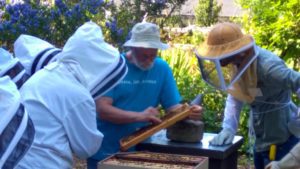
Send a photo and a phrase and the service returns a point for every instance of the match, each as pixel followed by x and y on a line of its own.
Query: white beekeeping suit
pixel 60 99
pixel 16 128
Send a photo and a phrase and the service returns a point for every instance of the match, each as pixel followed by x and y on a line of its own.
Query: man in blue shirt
pixel 133 102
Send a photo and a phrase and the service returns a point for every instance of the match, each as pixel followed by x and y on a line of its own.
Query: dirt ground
pixel 243 163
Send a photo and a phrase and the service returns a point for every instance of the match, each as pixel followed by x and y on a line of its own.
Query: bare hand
pixel 196 112
pixel 150 115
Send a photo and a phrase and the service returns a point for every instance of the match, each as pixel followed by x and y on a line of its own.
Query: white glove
pixel 224 137
pixel 289 161
pixel 272 165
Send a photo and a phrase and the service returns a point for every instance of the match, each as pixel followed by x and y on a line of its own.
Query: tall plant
pixel 275 25
pixel 207 12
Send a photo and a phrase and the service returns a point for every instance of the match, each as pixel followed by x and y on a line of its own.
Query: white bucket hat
pixel 146 35
pixel 34 53
pixel 10 66
pixel 102 66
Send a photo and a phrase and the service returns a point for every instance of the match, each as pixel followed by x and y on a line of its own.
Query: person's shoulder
pixel 266 57
pixel 269 62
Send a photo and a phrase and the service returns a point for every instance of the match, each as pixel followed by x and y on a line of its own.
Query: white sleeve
pixel 296 154
pixel 81 128
pixel 232 113
pixel 292 159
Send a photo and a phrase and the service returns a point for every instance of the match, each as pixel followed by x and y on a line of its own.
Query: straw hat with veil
pixel 227 61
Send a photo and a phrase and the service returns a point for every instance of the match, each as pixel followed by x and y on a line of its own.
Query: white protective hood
pixel 102 66
pixel 34 53
pixel 10 66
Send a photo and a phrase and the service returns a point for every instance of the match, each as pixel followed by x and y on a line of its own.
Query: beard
pixel 140 65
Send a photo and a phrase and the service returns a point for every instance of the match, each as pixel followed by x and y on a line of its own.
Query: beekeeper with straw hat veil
pixel 230 60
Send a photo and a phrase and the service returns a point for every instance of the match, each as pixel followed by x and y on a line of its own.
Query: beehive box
pixel 150 160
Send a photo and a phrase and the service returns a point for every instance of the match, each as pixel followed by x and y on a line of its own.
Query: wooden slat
pixel 171 118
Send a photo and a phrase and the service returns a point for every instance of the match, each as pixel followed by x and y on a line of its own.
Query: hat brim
pixel 216 51
pixel 155 45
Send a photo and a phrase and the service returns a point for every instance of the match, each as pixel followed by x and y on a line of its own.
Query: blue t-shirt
pixel 136 92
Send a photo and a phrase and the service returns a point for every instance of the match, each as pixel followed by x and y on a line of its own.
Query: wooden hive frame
pixel 171 118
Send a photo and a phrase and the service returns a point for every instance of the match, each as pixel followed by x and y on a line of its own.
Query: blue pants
pixel 92 163
pixel 261 159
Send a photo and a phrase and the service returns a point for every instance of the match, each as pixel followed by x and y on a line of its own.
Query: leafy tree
pixel 275 25
pixel 207 12
pixel 153 8
pixel 126 13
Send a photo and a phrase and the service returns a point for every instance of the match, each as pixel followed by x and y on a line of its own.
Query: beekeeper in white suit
pixel 60 99
pixel 231 61
pixel 16 128
pixel 34 53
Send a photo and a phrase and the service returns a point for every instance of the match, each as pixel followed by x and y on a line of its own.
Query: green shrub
pixel 207 12
pixel 186 72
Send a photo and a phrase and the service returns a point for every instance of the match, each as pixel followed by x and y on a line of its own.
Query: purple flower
pixel 120 32
pixel 9 9
pixel 107 24
pixel 68 14
pixel 22 28
pixel 108 4
pixel 160 1
pixel 61 5
pixel 93 6
pixel 1 27
pixel 2 3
